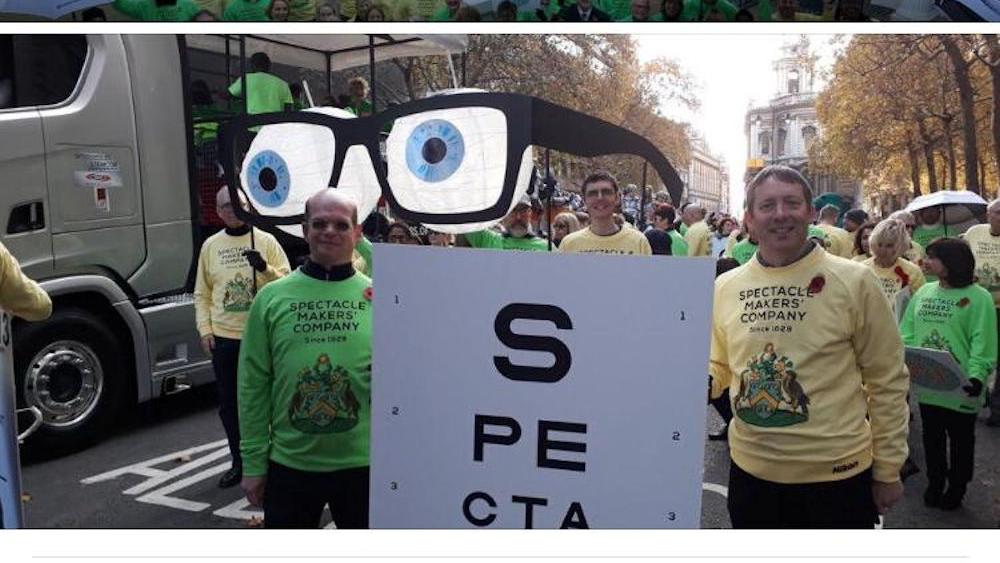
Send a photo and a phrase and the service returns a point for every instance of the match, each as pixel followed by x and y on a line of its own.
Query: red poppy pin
pixel 816 285
pixel 963 302
pixel 902 276
pixel 368 293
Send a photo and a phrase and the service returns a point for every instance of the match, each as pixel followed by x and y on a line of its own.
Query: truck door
pixel 91 164
pixel 24 206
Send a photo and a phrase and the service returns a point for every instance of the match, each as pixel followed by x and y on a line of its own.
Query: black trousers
pixel 295 499
pixel 756 503
pixel 225 358
pixel 723 406
pixel 948 436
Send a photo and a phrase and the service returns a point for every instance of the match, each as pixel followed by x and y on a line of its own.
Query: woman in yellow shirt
pixel 898 278
pixel 862 250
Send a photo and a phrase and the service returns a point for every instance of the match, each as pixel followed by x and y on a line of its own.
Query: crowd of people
pixel 473 11
pixel 807 355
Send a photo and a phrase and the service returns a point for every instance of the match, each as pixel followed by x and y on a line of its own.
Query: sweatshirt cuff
pixel 886 473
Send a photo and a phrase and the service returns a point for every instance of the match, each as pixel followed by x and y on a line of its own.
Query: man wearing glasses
pixel 604 235
pixel 984 240
pixel 305 380
pixel 232 265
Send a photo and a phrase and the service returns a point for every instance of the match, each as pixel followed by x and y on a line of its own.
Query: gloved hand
pixel 973 388
pixel 255 260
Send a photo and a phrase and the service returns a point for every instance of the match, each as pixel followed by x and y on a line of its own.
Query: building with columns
pixel 706 179
pixel 782 131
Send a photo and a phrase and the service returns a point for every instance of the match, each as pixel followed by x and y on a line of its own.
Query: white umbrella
pixel 51 9
pixel 945 198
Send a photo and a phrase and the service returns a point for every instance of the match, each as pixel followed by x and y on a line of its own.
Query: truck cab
pixel 107 186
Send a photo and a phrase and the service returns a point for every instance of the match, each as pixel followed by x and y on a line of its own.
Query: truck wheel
pixel 71 367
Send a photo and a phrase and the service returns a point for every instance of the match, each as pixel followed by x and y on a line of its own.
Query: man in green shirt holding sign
pixel 305 380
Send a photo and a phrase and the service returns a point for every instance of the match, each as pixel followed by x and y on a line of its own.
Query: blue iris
pixel 434 150
pixel 269 180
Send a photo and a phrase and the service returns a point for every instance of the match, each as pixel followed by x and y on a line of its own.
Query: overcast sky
pixel 732 71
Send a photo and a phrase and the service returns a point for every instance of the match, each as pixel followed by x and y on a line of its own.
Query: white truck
pixel 101 202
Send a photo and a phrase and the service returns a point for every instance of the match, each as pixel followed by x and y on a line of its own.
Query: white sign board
pixel 10 472
pixel 536 390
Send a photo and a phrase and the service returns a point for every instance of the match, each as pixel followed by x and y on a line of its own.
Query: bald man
pixel 234 263
pixel 305 380
pixel 697 235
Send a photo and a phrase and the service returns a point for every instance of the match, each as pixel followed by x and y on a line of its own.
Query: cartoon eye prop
pixel 285 164
pixel 521 188
pixel 434 150
pixel 449 160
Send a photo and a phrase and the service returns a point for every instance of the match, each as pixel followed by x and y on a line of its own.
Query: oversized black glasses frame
pixel 530 122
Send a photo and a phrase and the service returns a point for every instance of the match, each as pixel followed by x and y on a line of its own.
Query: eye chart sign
pixel 536 390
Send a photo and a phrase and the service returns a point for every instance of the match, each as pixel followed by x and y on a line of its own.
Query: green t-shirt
pixel 695 10
pixel 815 232
pixel 743 251
pixel 246 11
pixel 617 10
pixel 266 92
pixel 364 248
pixel 963 322
pixel 443 14
pixel 531 16
pixel 148 11
pixel 362 109
pixel 302 10
pixel 491 239
pixel 924 235
pixel 305 375
pixel 682 228
pixel 652 18
pixel 206 126
pixel 678 246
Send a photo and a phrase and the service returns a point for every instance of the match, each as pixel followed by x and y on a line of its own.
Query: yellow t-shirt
pixel 814 363
pixel 625 241
pixel 841 242
pixel 698 239
pixel 916 253
pixel 20 295
pixel 223 290
pixel 892 280
pixel 986 249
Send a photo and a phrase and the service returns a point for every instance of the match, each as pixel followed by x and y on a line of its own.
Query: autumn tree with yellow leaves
pixel 916 110
pixel 599 75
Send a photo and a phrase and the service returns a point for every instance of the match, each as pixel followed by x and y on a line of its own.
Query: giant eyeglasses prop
pixel 456 163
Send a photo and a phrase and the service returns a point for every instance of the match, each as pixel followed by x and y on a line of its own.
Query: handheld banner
pixel 938 372
pixel 529 390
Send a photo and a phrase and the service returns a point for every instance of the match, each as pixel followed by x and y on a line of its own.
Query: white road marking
pixel 146 469
pixel 715 488
pixel 238 511
pixel 176 472
pixel 159 496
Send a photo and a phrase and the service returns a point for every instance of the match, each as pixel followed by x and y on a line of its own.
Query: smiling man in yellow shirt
pixel 604 235
pixel 814 362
